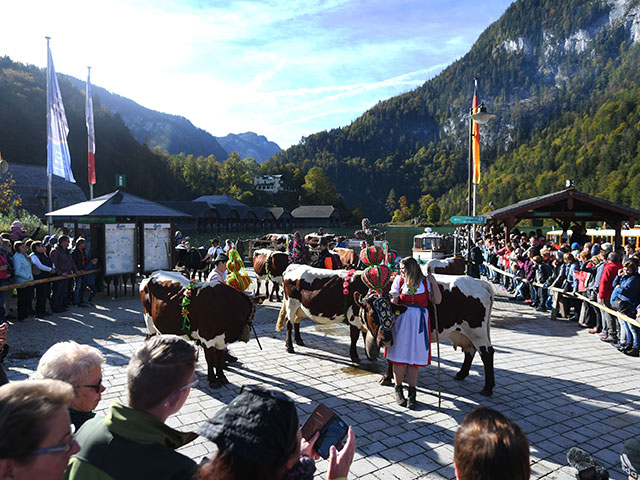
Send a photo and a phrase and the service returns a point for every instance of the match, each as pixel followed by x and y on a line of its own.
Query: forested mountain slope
pixel 562 77
pixel 23 136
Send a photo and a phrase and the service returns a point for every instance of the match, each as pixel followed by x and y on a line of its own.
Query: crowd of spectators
pixel 23 260
pixel 544 274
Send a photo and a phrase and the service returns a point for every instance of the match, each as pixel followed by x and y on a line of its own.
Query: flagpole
pixel 49 188
pixel 88 93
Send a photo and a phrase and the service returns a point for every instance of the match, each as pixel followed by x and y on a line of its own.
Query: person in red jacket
pixel 605 289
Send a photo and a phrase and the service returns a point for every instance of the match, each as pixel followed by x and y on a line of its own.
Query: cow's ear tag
pixel 396 312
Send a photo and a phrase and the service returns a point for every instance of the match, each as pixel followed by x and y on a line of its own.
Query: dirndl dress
pixel 411 332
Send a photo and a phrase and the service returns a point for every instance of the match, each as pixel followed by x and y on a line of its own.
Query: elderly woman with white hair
pixel 80 366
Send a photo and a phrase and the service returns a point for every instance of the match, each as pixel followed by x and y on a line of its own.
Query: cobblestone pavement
pixel 560 384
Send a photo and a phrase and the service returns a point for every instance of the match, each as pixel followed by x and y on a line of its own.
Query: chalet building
pixel 31 185
pixel 316 216
pixel 268 183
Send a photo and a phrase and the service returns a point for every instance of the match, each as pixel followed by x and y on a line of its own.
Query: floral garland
pixel 297 249
pixel 347 281
pixel 186 301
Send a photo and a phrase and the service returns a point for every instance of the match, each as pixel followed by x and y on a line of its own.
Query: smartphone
pixel 589 473
pixel 333 434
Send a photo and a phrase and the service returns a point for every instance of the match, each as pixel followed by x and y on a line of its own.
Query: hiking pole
pixel 256 335
pixel 435 317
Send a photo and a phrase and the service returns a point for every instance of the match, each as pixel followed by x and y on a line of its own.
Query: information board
pixel 157 247
pixel 120 248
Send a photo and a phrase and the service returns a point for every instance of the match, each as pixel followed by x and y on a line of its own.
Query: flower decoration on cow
pixel 237 277
pixel 377 275
pixel 368 234
pixel 186 301
pixel 297 249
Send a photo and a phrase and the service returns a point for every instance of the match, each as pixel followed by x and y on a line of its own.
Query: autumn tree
pixel 433 213
pixel 318 189
pixel 391 204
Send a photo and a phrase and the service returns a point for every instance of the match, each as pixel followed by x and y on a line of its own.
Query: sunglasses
pixel 189 385
pixel 96 387
pixel 64 448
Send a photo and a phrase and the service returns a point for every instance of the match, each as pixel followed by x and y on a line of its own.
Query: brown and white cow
pixel 318 294
pixel 464 317
pixel 219 315
pixel 270 265
pixel 448 266
pixel 348 257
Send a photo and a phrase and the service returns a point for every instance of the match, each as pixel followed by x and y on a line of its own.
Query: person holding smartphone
pixel 411 332
pixel 258 436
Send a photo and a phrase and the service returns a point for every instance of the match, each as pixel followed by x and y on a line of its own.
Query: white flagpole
pixel 49 192
pixel 90 132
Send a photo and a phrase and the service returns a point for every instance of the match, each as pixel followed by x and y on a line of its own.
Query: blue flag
pixel 58 157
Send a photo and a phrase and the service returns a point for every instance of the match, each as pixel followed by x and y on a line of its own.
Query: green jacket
pixel 129 444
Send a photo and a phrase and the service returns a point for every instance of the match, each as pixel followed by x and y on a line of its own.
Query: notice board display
pixel 157 247
pixel 120 248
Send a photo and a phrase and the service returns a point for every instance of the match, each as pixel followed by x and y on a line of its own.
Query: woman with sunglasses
pixel 37 438
pixel 411 332
pixel 81 366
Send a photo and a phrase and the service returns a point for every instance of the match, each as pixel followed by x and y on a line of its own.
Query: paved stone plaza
pixel 560 384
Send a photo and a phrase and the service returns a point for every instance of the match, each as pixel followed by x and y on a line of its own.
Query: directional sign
pixel 477 220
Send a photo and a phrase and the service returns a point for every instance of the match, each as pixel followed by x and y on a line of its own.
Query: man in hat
pixel 219 272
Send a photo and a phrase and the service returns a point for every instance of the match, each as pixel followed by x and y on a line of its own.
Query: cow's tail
pixel 282 317
pixel 488 322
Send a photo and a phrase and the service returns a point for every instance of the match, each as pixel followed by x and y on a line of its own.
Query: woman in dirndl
pixel 411 347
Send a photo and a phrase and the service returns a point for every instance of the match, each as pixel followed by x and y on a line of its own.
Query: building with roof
pixel 316 216
pixel 566 208
pixel 268 183
pixel 31 185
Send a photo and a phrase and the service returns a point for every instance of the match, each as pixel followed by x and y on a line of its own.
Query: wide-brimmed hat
pixel 221 258
pixel 259 425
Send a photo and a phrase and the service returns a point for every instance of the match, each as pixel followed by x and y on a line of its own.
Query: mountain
pixel 23 136
pixel 171 133
pixel 249 144
pixel 561 76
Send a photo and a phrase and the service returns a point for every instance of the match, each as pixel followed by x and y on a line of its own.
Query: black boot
pixel 400 400
pixel 411 403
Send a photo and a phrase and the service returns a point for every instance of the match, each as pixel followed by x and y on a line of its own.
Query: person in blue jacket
pixel 22 273
pixel 627 298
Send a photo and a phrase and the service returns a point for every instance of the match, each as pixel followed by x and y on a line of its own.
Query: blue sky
pixel 283 69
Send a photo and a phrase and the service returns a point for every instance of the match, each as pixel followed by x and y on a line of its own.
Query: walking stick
pixel 256 335
pixel 435 317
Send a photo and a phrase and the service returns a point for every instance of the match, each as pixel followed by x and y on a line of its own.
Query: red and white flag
pixel 90 132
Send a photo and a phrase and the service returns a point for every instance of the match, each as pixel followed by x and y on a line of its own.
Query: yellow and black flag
pixel 475 140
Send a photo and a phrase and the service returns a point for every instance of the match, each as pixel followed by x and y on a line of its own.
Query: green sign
pixel 477 220
pixel 121 180
pixel 96 219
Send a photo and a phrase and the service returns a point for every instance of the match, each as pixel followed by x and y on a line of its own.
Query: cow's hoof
pixel 290 349
pixel 355 359
pixel 215 384
pixel 223 380
pixel 385 381
pixel 460 376
pixel 299 342
pixel 487 392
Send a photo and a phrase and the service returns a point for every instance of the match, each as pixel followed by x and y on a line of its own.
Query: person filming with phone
pixel 258 436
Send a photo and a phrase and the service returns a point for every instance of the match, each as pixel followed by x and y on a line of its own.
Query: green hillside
pixel 560 75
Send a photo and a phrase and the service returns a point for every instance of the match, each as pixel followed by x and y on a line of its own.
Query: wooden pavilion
pixel 567 208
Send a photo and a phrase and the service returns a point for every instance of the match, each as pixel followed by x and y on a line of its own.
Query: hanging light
pixel 482 116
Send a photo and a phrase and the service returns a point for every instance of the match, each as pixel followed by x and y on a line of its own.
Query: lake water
pixel 400 237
